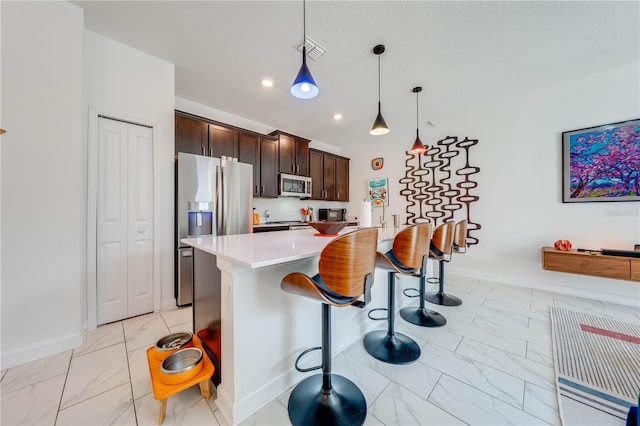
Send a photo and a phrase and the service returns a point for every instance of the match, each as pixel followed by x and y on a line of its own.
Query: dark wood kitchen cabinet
pixel 223 141
pixel 191 136
pixel 249 152
pixel 342 179
pixel 268 168
pixel 329 176
pixel 293 153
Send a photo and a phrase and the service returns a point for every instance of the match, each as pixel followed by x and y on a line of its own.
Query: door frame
pixel 92 208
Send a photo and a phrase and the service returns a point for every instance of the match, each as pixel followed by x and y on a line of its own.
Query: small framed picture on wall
pixel 378 190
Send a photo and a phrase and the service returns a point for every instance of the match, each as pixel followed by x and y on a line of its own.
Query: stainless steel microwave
pixel 294 186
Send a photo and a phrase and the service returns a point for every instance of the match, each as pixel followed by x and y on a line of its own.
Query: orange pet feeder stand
pixel 162 391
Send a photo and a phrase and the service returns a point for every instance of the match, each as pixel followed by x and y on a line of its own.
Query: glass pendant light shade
pixel 418 147
pixel 379 125
pixel 304 86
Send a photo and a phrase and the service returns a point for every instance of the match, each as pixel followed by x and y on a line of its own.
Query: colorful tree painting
pixel 605 163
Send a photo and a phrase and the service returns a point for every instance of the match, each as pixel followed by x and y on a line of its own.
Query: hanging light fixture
pixel 379 126
pixel 418 147
pixel 304 86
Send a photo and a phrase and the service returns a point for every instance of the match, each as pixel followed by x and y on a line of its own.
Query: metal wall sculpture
pixel 438 183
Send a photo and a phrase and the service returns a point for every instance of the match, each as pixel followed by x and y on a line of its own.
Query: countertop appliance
pixel 214 197
pixel 332 215
pixel 294 186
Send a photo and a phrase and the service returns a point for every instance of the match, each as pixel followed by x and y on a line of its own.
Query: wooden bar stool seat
pixel 406 257
pixel 346 271
pixel 452 238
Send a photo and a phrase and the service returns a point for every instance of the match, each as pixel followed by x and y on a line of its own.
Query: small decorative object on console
pixel 564 245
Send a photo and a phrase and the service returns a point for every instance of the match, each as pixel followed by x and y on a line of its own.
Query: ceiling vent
pixel 314 50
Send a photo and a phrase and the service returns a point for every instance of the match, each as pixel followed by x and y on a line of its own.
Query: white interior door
pixel 124 252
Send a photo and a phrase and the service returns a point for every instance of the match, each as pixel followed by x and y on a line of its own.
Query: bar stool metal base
pixel 443 299
pixel 394 349
pixel 423 317
pixel 344 405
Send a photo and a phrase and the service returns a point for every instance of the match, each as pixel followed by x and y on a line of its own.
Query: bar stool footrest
pixel 344 405
pixel 423 317
pixel 396 348
pixel 378 309
pixel 305 370
pixel 411 290
pixel 433 280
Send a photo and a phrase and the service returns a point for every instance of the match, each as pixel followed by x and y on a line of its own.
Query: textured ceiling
pixel 463 54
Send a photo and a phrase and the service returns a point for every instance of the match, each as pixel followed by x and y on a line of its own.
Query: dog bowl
pixel 180 366
pixel 171 343
pixel 328 227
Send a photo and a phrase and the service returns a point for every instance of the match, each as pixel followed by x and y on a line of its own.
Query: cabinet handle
pixel 262 192
pixel 210 152
pixel 293 168
pixel 203 150
pixel 338 195
pixel 256 189
pixel 297 168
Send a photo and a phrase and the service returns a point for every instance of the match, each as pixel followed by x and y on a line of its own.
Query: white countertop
pixel 272 248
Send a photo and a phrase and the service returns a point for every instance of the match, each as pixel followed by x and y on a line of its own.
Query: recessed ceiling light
pixel 337 116
pixel 266 82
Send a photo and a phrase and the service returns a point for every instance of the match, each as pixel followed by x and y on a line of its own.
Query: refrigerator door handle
pixel 220 200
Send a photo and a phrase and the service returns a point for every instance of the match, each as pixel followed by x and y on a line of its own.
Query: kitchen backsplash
pixel 288 208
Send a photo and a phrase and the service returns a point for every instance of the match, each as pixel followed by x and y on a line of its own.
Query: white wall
pixel 133 85
pixel 43 202
pixel 520 207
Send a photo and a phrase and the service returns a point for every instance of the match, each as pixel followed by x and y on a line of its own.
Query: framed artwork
pixel 601 163
pixel 378 190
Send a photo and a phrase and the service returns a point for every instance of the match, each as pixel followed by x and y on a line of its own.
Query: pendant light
pixel 304 86
pixel 379 126
pixel 418 147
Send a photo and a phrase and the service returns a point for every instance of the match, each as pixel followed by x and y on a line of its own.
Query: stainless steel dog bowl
pixel 173 341
pixel 181 365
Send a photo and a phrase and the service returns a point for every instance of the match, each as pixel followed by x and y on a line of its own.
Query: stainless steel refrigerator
pixel 214 197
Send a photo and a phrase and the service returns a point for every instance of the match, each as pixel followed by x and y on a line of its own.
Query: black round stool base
pixel 442 299
pixel 396 349
pixel 345 404
pixel 423 317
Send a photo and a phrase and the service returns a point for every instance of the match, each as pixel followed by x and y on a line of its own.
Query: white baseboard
pixel 34 352
pixel 545 286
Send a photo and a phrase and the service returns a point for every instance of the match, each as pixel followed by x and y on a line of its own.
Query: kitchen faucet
pixel 383 220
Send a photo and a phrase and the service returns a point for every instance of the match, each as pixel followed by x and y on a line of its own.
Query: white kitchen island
pixel 264 329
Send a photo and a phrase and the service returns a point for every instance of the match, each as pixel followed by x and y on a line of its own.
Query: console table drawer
pixel 588 264
pixel 635 269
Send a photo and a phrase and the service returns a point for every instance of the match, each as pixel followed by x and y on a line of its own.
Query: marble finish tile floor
pixel 491 364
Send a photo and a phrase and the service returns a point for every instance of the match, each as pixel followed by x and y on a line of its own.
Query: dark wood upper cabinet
pixel 293 154
pixel 329 176
pixel 342 179
pixel 249 152
pixel 191 136
pixel 268 168
pixel 223 141
pixel 316 171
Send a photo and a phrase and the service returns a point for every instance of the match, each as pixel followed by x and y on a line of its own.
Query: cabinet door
pixel 191 136
pixel 302 157
pixel 316 171
pixel 249 152
pixel 287 154
pixel 268 168
pixel 329 177
pixel 222 141
pixel 342 179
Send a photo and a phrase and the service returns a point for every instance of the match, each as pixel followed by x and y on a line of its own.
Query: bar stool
pixel 346 272
pixel 451 238
pixel 406 258
pixel 422 316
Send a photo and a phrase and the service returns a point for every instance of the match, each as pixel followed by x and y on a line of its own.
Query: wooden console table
pixel 585 263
